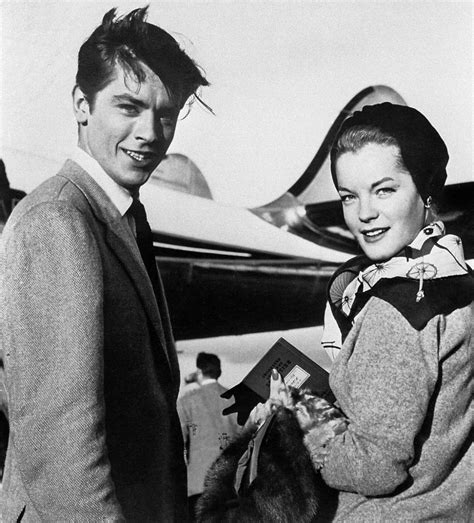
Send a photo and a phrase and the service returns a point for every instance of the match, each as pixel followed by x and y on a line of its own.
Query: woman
pixel 399 327
pixel 404 314
pixel 401 320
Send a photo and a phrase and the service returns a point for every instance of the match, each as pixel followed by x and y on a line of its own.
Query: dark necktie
pixel 144 239
pixel 145 245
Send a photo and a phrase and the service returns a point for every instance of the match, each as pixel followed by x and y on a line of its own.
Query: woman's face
pixel 381 204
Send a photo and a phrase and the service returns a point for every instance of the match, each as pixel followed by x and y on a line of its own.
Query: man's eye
pixel 128 108
pixel 168 120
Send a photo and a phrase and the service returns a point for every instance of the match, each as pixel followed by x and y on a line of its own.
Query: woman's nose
pixel 367 210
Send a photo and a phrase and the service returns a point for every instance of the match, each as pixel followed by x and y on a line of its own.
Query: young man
pixel 91 369
pixel 206 431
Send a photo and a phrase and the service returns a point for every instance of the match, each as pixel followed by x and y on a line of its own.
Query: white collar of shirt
pixel 120 197
pixel 207 381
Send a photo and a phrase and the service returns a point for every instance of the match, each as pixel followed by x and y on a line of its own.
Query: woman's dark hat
pixel 423 151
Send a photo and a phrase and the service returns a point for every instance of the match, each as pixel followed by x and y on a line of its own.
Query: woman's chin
pixel 377 255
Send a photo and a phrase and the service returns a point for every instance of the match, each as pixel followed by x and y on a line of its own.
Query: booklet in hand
pixel 296 369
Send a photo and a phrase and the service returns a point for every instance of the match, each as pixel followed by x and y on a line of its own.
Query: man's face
pixel 129 127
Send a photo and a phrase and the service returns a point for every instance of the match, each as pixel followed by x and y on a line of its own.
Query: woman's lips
pixel 374 235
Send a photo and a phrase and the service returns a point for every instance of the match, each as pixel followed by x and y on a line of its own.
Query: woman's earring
pixel 428 202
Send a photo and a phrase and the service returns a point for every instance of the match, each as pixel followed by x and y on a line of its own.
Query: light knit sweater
pixel 406 455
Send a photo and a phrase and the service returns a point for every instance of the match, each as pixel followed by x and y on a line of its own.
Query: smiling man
pixel 91 368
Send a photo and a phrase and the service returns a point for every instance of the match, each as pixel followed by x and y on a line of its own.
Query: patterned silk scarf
pixel 431 256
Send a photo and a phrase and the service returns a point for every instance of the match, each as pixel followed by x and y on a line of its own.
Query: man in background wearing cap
pixel 91 369
pixel 206 431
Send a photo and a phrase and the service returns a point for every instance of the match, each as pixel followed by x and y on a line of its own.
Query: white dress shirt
pixel 120 197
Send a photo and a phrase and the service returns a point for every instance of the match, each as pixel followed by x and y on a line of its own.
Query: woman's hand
pixel 279 395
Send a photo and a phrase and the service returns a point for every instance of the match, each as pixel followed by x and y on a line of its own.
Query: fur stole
pixel 287 487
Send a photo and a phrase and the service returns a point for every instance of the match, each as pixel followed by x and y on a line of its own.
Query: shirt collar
pixel 119 196
pixel 207 381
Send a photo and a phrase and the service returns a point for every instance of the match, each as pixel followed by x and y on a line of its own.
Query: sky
pixel 280 72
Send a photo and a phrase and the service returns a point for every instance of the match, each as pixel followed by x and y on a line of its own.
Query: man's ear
pixel 80 105
pixel 199 375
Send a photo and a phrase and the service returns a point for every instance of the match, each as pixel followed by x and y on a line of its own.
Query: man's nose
pixel 367 209
pixel 148 127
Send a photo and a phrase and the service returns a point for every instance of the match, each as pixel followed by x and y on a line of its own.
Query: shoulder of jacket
pixel 56 190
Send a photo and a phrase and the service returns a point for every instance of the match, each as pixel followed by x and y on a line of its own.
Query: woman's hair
pixel 127 41
pixel 422 151
pixel 358 136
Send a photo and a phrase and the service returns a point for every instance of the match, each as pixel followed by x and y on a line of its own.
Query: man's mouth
pixel 140 156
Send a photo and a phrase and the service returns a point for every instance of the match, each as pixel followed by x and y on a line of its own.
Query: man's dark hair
pixel 209 364
pixel 126 41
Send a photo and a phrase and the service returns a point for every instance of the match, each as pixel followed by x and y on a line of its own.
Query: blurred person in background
pixel 206 430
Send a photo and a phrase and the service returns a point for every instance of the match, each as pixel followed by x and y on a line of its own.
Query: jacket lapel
pixel 120 239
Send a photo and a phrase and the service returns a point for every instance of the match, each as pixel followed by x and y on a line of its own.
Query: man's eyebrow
pixel 127 98
pixel 373 186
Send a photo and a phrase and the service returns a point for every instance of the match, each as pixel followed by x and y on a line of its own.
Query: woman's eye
pixel 385 191
pixel 346 198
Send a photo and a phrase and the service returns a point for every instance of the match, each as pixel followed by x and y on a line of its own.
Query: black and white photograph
pixel 236 261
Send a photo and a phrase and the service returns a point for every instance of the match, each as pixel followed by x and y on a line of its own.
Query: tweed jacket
pixel 91 369
pixel 406 455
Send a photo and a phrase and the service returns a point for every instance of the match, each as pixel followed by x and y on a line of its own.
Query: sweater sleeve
pixel 384 380
pixel 54 364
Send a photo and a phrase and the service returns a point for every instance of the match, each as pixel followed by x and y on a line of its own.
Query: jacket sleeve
pixel 388 380
pixel 54 365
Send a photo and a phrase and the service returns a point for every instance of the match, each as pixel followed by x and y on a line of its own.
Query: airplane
pixel 256 274
pixel 233 271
